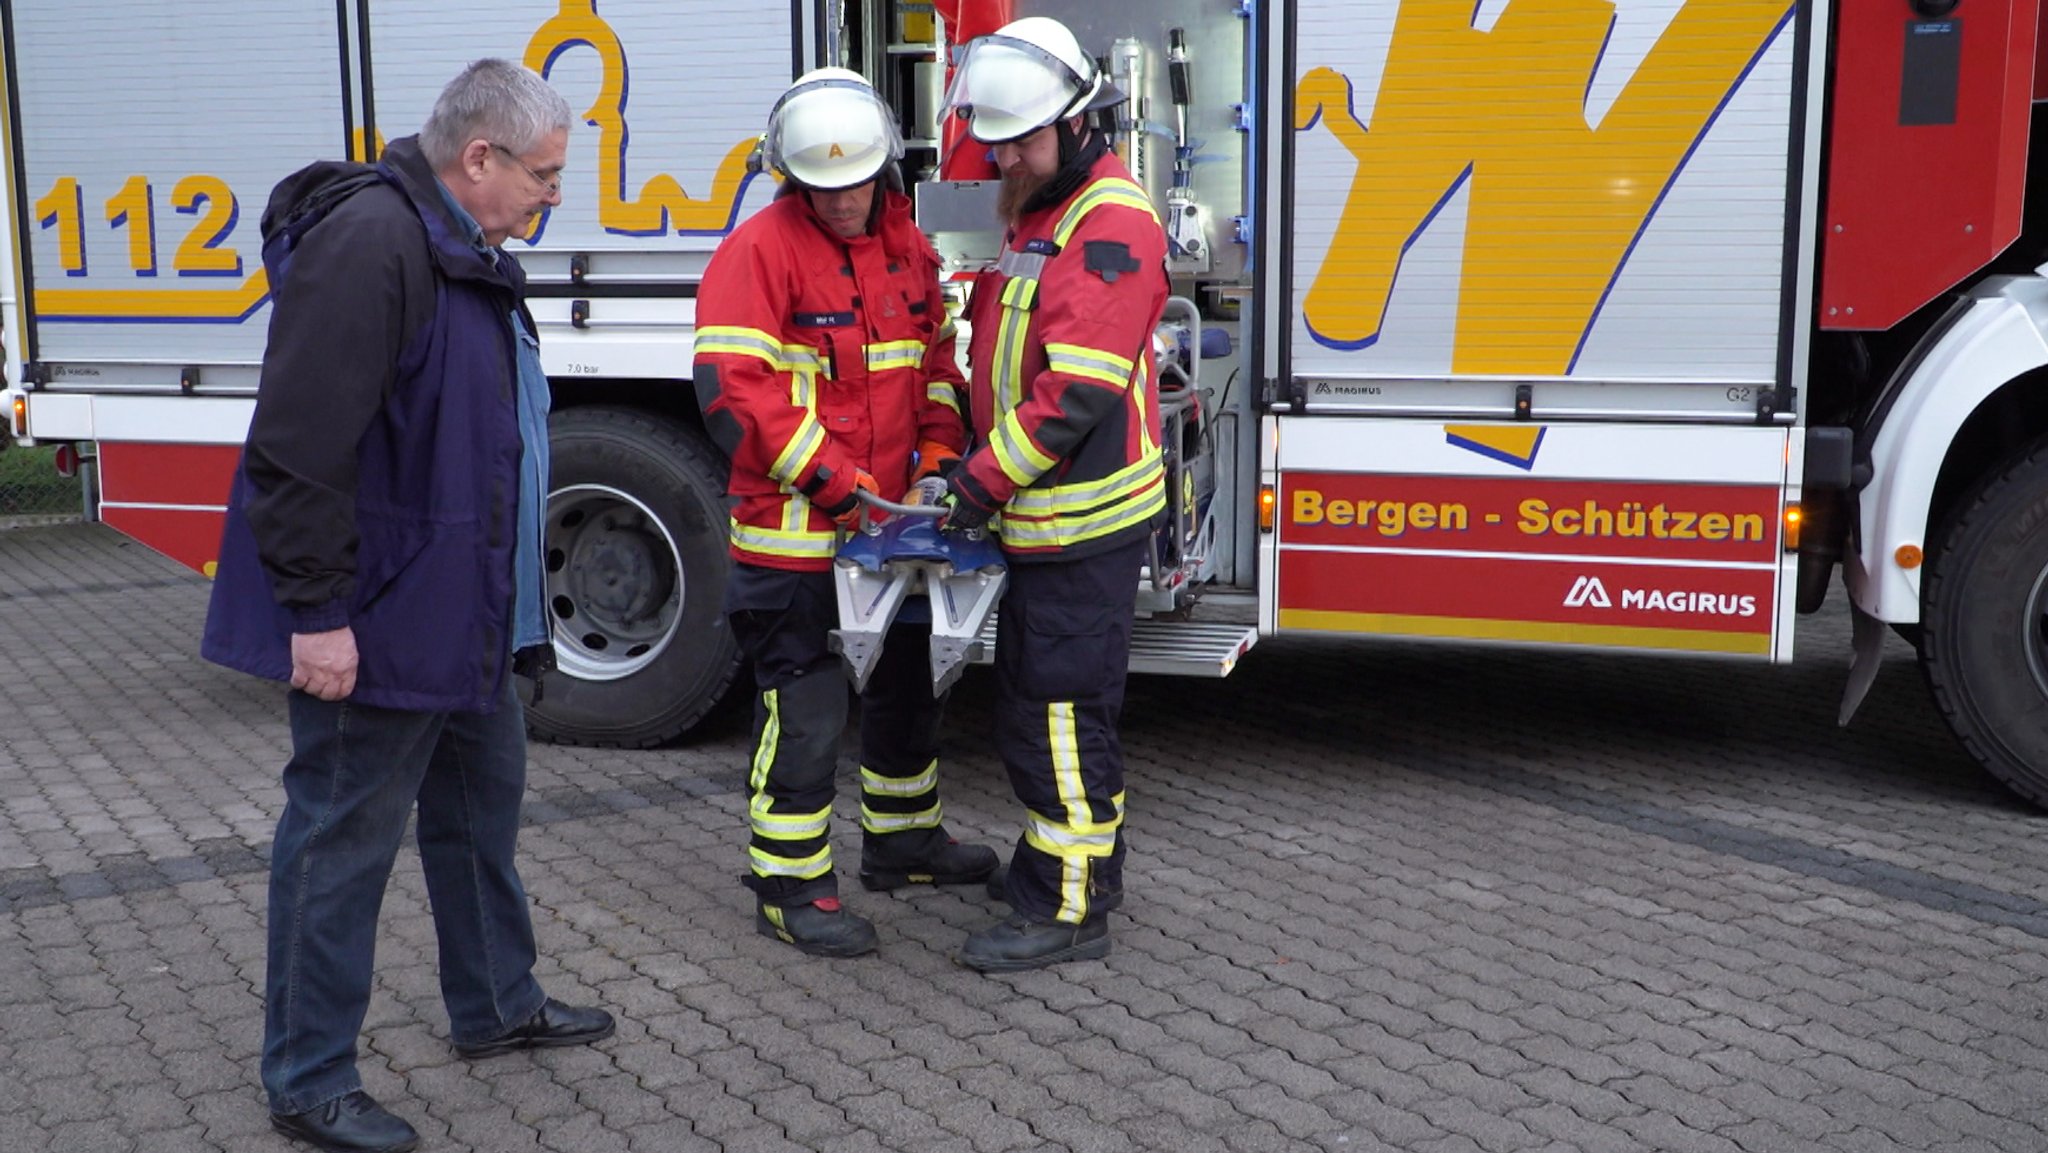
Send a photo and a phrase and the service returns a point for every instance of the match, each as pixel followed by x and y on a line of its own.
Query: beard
pixel 1018 187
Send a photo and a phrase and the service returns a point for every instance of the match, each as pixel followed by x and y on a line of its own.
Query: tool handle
pixel 875 511
pixel 1177 67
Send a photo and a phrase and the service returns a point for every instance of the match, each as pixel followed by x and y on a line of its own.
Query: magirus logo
pixel 1589 593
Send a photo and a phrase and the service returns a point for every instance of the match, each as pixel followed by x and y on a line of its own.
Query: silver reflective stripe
pixel 1021 265
pixel 874 822
pixel 1060 840
pixel 924 782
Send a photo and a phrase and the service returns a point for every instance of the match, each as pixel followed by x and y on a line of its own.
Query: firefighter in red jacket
pixel 1067 467
pixel 825 364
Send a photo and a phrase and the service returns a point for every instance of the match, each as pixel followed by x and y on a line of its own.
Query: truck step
pixel 1166 647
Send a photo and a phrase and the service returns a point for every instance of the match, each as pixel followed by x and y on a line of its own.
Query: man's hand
pixel 847 512
pixel 930 490
pixel 964 512
pixel 934 460
pixel 324 664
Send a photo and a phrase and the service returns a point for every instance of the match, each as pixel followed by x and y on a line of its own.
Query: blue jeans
pixel 354 775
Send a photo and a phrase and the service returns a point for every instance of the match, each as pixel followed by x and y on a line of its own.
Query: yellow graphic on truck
pixel 205 250
pixel 662 205
pixel 1554 203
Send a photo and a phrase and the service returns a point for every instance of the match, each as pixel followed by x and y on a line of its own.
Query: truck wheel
pixel 1984 639
pixel 634 577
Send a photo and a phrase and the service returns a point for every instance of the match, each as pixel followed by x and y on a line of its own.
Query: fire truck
pixel 1614 325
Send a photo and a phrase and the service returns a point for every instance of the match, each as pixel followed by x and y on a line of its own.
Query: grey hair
pixel 496 100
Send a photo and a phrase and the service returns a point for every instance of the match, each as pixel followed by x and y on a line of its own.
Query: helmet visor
pixel 1008 88
pixel 830 134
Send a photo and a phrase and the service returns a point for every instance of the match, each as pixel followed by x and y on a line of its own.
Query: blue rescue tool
pixel 899 552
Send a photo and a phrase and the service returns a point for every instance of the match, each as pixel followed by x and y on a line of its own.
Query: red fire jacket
pixel 1064 402
pixel 817 357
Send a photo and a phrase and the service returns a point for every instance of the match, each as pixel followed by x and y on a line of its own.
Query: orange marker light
pixel 20 415
pixel 1794 517
pixel 1908 556
pixel 1268 500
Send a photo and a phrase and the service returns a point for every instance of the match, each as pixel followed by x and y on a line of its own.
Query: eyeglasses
pixel 553 186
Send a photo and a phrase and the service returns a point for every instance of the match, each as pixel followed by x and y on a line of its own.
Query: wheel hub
pixel 614 582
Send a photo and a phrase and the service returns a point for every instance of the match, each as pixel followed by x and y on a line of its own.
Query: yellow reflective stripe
pixel 1066 761
pixel 736 341
pixel 804 445
pixel 1080 837
pixel 1109 190
pixel 1147 418
pixel 796 516
pixel 874 822
pixel 1019 292
pixel 803 390
pixel 801 356
pixel 1021 532
pixel 767 864
pixel 1073 891
pixel 894 354
pixel 782 542
pixel 942 392
pixel 786 826
pixel 762 346
pixel 1089 363
pixel 1021 460
pixel 1073 845
pixel 1084 496
pixel 881 786
pixel 771 736
pixel 1009 358
pixel 1091 840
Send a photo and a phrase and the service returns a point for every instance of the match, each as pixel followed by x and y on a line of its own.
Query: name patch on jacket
pixel 1042 247
pixel 822 319
pixel 1108 259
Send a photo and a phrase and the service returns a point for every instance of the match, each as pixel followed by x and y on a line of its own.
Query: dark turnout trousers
pixel 1062 650
pixel 781 620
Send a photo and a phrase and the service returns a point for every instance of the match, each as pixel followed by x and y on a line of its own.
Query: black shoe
pixel 821 928
pixel 552 1026
pixel 953 864
pixel 351 1124
pixel 1021 943
pixel 996 882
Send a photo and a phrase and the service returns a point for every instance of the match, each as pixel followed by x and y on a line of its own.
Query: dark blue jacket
pixel 380 479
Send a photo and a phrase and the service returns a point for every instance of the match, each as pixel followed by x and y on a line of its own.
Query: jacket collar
pixel 448 238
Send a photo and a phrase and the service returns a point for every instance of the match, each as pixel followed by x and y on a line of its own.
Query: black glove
pixel 965 510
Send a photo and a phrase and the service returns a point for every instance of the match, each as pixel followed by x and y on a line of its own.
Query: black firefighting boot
pixel 1023 943
pixel 996 882
pixel 820 928
pixel 939 861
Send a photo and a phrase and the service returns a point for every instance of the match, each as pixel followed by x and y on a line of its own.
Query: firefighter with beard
pixel 1066 468
pixel 824 365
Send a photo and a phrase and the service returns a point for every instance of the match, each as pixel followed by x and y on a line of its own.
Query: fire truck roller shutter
pixel 635 573
pixel 1984 632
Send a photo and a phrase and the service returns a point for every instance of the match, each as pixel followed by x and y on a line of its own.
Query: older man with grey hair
pixel 382 556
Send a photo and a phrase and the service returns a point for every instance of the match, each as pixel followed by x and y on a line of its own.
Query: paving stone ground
pixel 1381 897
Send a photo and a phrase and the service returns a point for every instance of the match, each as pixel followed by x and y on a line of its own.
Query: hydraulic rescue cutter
pixel 900 552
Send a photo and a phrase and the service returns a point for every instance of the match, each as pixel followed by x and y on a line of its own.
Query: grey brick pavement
pixel 1382 898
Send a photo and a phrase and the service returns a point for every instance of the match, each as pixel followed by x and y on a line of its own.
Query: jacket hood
pixel 301 187
pixel 404 167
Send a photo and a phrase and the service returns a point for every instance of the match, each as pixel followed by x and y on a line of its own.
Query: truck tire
pixel 634 578
pixel 1984 637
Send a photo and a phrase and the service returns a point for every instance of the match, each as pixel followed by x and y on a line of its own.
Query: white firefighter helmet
pixel 830 131
pixel 1026 75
